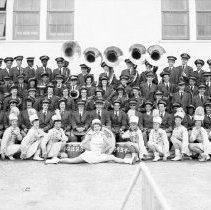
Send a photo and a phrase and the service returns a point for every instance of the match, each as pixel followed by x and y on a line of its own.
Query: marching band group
pixel 44 110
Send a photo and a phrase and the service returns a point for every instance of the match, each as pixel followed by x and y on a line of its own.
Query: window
pixel 26 19
pixel 60 19
pixel 203 19
pixel 2 18
pixel 175 19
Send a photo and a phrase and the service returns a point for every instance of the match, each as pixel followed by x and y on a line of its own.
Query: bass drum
pixel 109 135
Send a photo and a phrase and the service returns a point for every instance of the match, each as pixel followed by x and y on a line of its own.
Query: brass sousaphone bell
pixel 92 56
pixel 155 55
pixel 71 50
pixel 137 53
pixel 112 56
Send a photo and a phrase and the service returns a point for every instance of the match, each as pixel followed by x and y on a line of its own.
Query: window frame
pixel 175 11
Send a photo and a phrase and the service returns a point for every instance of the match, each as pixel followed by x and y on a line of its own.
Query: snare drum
pixel 74 149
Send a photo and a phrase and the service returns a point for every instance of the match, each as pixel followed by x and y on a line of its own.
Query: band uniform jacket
pixel 188 121
pixel 108 92
pixel 133 76
pixel 91 91
pixel 137 114
pixel 167 89
pixel 112 80
pixel 184 101
pixel 147 120
pixel 53 102
pixel 143 77
pixel 80 121
pixel 58 90
pixel 103 117
pixel 2 116
pixel 5 73
pixel 66 120
pixel 15 72
pixel 29 73
pixel 22 91
pixel 199 76
pixel 178 73
pixel 207 121
pixel 7 100
pixel 4 89
pixel 208 89
pixel 118 122
pixel 172 74
pixel 65 72
pixel 70 104
pixel 147 92
pixel 6 119
pixel 24 120
pixel 41 70
pixel 192 90
pixel 197 101
pixel 166 122
pixel 81 79
pixel 46 122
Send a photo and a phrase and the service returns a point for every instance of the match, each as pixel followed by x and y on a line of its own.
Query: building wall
pixel 102 23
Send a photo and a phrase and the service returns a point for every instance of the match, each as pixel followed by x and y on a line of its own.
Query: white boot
pixel 54 160
pixel 156 157
pixel 178 155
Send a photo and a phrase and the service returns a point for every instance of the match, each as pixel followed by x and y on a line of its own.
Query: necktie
pixel 60 71
pixel 80 115
pixel 98 113
pixel 44 114
pixel 181 95
pixel 191 88
pixel 116 114
pixel 167 87
pixel 149 86
pixel 202 99
pixel 183 67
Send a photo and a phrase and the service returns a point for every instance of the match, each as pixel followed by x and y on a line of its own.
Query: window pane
pixel 2 24
pixel 174 5
pixel 172 18
pixel 26 25
pixel 2 3
pixel 27 5
pixel 203 5
pixel 61 5
pixel 203 18
pixel 203 25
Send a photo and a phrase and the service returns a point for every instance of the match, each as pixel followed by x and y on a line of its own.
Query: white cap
pixel 198 117
pixel 56 118
pixel 13 117
pixel 134 119
pixel 96 121
pixel 33 117
pixel 157 120
pixel 180 113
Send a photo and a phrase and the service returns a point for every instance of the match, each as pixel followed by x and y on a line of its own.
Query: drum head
pixel 110 136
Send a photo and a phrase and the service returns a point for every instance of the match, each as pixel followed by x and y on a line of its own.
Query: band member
pixel 184 71
pixel 5 87
pixel 199 73
pixel 53 100
pixel 179 137
pixel 30 146
pixel 158 140
pixel 170 69
pixel 118 120
pixel 29 71
pixel 55 140
pixel 199 142
pixel 207 117
pixel 80 122
pixel 44 79
pixel 188 120
pixel 14 95
pixel 158 97
pixel 6 72
pixel 134 112
pixel 73 83
pixel 59 85
pixel 166 123
pixel 135 142
pixel 84 71
pixel 9 147
pixel 44 69
pixel 17 70
pixel 61 70
pixel 97 146
pixel 147 120
pixel 181 96
pixel 207 78
pixel 200 99
pixel 70 104
pixel 45 116
pixel 101 114
pixel 65 117
pixel 36 104
pixel 149 69
pixel 124 80
pixel 209 64
pixel 89 83
pixel 24 118
pixel 2 116
pixel 191 88
pixel 22 87
pixel 109 73
pixel 132 73
pixel 148 88
pixel 32 82
pixel 108 91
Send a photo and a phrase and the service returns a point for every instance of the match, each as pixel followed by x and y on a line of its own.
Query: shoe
pixel 38 158
pixel 54 160
pixel 128 160
pixel 11 158
pixel 164 158
pixel 156 159
pixel 176 158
